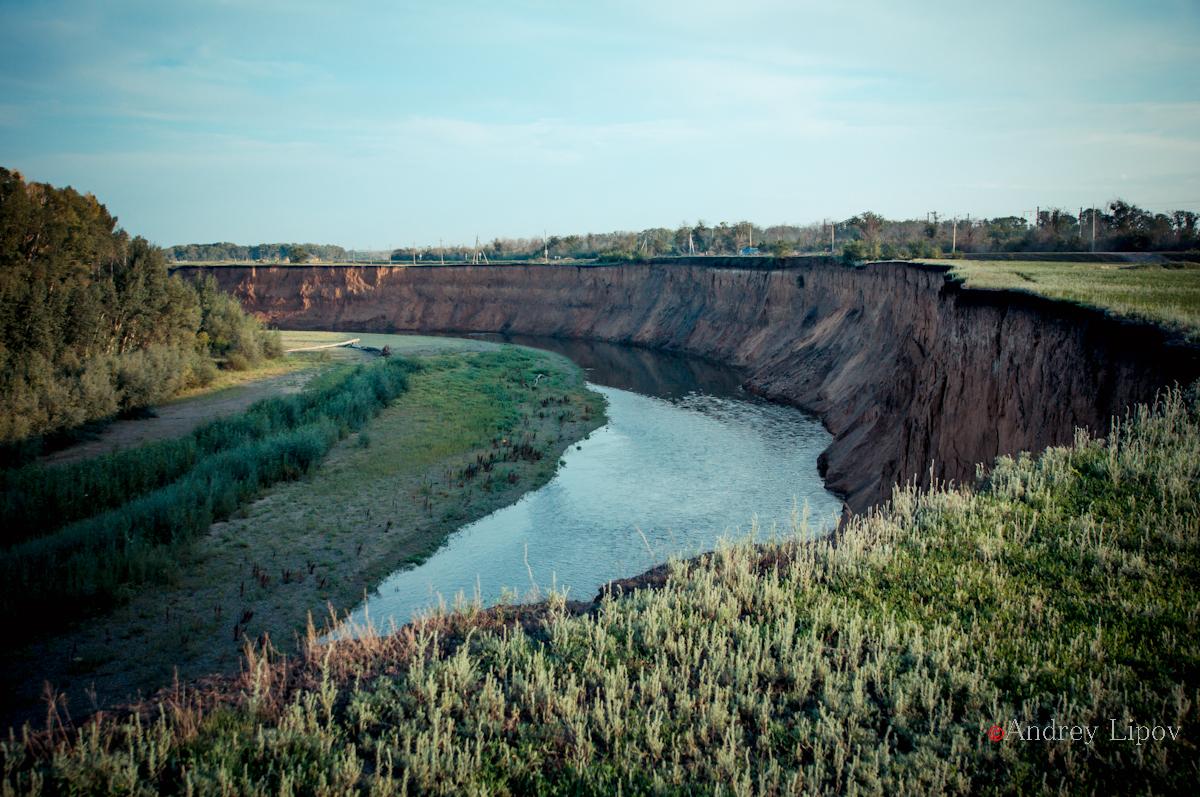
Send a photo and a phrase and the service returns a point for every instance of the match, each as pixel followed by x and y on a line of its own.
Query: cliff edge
pixel 915 376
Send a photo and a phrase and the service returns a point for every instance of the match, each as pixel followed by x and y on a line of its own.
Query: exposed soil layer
pixel 914 375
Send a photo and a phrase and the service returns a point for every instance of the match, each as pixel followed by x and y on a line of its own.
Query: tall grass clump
pixel 130 530
pixel 35 500
pixel 1061 592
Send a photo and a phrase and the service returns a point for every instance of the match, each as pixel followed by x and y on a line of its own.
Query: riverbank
pixel 904 659
pixel 383 497
pixel 916 376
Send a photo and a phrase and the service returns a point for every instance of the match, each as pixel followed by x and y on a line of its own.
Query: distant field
pixel 1166 294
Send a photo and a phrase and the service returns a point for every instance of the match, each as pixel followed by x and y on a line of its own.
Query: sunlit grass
pixel 1062 590
pixel 226 379
pixel 403 345
pixel 1167 294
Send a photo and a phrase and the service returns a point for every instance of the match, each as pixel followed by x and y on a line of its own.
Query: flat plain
pixel 1167 294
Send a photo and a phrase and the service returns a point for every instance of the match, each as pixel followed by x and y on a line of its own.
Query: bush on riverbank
pixel 1062 592
pixel 91 323
pixel 134 510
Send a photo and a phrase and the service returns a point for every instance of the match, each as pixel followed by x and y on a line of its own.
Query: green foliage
pixel 36 500
pixel 162 495
pixel 1062 590
pixel 854 252
pixel 91 324
pixel 229 332
pixel 781 248
pixel 1119 227
pixel 83 310
pixel 618 256
pixel 224 252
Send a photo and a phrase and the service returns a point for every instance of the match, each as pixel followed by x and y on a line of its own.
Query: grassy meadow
pixel 1062 591
pixel 387 493
pixel 1166 294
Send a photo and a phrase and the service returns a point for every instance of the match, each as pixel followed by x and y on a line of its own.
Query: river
pixel 685 459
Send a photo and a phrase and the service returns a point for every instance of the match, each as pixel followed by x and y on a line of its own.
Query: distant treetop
pixel 1118 227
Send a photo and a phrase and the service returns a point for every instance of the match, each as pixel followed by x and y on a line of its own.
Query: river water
pixel 685 459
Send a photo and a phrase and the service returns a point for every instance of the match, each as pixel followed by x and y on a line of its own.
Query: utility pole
pixel 441 252
pixel 1093 228
pixel 545 247
pixel 832 236
pixel 954 236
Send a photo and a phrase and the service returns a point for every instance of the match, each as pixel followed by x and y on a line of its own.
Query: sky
pixel 373 125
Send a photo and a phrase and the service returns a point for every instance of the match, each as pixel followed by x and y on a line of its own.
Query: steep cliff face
pixel 912 374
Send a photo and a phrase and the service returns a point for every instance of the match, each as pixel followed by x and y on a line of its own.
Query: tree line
pixel 92 325
pixel 1117 227
pixel 264 253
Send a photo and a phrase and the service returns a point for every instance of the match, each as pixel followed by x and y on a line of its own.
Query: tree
pixel 91 323
pixel 1184 223
pixel 870 227
pixel 1130 226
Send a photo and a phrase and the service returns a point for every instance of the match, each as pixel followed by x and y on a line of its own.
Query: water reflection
pixel 682 462
pixel 649 372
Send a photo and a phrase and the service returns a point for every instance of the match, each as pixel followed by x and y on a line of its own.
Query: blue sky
pixel 384 124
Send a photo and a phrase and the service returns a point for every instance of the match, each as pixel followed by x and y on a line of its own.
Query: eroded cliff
pixel 911 373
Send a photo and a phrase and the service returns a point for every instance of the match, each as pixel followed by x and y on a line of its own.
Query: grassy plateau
pixel 1165 294
pixel 913 654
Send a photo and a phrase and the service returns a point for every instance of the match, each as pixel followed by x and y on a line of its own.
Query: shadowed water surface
pixel 685 458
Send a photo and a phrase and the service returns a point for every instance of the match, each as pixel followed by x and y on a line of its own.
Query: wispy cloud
pixel 209 120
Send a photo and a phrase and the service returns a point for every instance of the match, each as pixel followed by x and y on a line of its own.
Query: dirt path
pixel 179 417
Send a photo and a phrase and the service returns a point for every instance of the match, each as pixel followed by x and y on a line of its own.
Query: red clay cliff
pixel 911 373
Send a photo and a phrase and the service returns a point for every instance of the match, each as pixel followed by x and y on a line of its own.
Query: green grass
pixel 135 512
pixel 1062 590
pixel 1168 295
